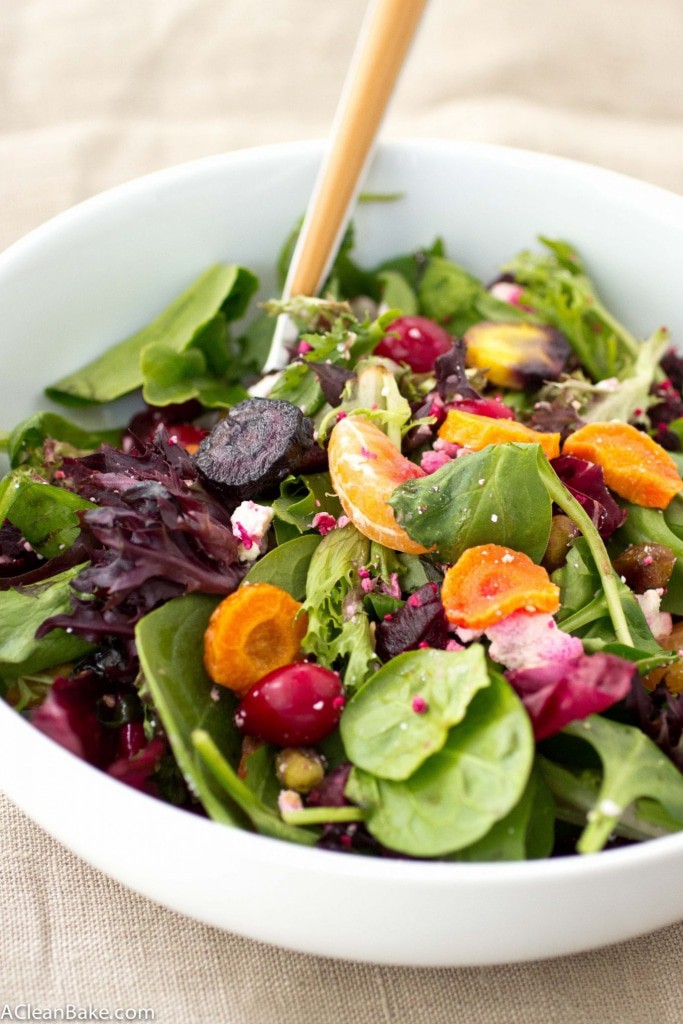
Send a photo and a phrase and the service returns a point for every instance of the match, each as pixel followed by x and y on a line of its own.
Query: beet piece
pixel 421 620
pixel 258 443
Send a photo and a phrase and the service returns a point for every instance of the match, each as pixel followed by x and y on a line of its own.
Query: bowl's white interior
pixel 100 271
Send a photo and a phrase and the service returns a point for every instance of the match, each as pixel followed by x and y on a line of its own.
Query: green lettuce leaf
pixel 224 289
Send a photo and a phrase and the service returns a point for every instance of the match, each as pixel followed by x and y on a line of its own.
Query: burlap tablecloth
pixel 94 93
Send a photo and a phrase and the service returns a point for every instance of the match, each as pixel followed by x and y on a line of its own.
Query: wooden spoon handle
pixel 377 61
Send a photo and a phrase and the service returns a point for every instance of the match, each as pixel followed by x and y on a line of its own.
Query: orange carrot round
pixel 253 631
pixel 476 432
pixel 490 581
pixel 633 465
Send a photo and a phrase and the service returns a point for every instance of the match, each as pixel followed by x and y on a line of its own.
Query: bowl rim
pixel 251 845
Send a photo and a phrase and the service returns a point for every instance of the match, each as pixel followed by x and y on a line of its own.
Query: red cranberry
pixel 415 340
pixel 294 705
pixel 491 407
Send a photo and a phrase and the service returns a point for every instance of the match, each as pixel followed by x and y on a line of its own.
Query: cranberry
pixel 491 407
pixel 293 705
pixel 415 340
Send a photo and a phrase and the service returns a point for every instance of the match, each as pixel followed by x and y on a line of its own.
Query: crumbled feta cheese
pixel 289 800
pixel 522 640
pixel 660 623
pixel 250 523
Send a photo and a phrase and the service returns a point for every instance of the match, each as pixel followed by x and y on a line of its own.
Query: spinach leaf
pixel 633 768
pixel 649 526
pixel 169 642
pixel 302 497
pixel 246 796
pixel 578 580
pixel 558 289
pixel 25 442
pixel 286 566
pixel 459 793
pixel 202 371
pixel 382 732
pixel 22 612
pixel 45 515
pixel 526 833
pixel 221 288
pixel 494 496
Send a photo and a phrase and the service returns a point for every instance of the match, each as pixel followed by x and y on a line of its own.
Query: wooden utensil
pixel 383 43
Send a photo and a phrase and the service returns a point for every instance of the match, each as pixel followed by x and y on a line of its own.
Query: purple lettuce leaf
pixel 16 554
pixel 332 380
pixel 660 715
pixel 155 534
pixel 421 621
pixel 562 692
pixel 584 480
pixel 451 378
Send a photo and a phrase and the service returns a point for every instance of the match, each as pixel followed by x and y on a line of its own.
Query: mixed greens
pixel 419 594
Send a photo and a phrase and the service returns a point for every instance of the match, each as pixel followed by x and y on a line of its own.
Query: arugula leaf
pixel 576 793
pixel 633 391
pixel 25 442
pixel 459 793
pixel 494 496
pixel 22 612
pixel 221 288
pixel 264 818
pixel 287 565
pixel 558 289
pixel 382 732
pixel 45 515
pixel 168 641
pixel 633 768
pixel 526 833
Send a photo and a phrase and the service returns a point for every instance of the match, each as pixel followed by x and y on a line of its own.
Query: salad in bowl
pixel 417 596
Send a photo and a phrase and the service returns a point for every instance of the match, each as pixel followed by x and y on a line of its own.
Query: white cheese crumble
pixel 250 523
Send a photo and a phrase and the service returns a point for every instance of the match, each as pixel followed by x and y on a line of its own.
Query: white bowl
pixel 95 273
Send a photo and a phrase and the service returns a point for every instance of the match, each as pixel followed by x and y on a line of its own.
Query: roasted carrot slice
pixel 253 631
pixel 366 468
pixel 633 465
pixel 476 432
pixel 490 581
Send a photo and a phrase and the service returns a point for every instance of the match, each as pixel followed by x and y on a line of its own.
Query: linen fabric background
pixel 93 94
